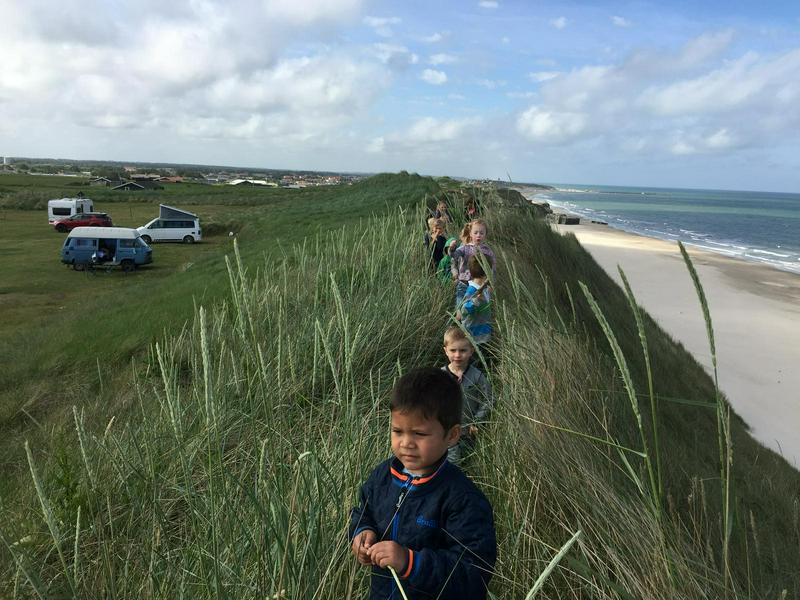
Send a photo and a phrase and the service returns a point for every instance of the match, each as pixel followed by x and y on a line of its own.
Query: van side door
pixel 83 249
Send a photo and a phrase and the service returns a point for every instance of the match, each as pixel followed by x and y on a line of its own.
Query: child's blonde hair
pixel 466 233
pixel 455 334
pixel 433 223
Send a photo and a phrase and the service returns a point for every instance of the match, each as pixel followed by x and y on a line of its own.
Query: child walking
pixel 476 308
pixel 418 513
pixel 474 240
pixel 475 387
pixel 435 242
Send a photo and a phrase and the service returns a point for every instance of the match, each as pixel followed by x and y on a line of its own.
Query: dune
pixel 755 311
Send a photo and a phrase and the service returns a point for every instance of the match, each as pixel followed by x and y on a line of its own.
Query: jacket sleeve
pixel 438 249
pixel 361 516
pixel 462 569
pixel 486 399
pixel 471 303
pixel 456 256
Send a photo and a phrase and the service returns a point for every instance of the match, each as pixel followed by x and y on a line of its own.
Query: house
pixel 252 182
pixel 135 186
pixel 100 181
pixel 128 186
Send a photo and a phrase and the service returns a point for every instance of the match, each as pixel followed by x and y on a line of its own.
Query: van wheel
pixel 146 239
pixel 188 239
pixel 61 228
pixel 128 266
pixel 78 266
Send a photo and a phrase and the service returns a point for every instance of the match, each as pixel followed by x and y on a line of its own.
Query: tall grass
pixel 255 425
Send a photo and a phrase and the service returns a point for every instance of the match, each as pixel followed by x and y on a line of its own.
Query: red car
pixel 84 220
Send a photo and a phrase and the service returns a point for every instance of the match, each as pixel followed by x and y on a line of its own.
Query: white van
pixel 64 208
pixel 172 225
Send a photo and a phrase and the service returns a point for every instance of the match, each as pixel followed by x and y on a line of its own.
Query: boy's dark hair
pixel 430 391
pixel 474 264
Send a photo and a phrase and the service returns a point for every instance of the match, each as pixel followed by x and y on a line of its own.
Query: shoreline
pixel 726 250
pixel 755 310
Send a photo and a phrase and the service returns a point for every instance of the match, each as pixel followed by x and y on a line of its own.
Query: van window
pixel 62 212
pixel 127 244
pixel 84 242
pixel 155 225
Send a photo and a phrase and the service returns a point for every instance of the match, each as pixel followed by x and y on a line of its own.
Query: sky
pixel 668 93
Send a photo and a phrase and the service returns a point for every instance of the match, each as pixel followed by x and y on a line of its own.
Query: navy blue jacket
pixel 443 520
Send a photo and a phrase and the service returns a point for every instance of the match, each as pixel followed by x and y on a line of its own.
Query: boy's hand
pixel 389 554
pixel 361 545
pixel 472 430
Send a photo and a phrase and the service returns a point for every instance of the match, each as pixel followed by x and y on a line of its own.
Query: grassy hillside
pixel 67 338
pixel 223 461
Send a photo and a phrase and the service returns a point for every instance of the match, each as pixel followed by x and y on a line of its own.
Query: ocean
pixel 755 226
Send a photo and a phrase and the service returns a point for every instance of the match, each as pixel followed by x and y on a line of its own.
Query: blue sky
pixel 681 94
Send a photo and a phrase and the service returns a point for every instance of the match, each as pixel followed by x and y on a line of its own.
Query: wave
pixel 772 253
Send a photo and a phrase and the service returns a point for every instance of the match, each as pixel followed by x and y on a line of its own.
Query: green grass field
pixel 216 452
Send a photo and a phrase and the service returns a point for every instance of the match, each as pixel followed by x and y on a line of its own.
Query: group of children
pixel 421 524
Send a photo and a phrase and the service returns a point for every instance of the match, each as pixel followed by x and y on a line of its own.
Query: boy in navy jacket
pixel 418 513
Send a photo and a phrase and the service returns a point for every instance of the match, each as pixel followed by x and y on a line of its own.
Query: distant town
pixel 132 176
pixel 136 176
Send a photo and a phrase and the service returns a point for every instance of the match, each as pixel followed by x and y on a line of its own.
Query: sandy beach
pixel 755 310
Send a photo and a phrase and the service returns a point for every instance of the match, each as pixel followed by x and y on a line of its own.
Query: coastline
pixel 755 310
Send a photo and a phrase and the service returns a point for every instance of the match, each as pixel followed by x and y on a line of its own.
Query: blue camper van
pixel 105 247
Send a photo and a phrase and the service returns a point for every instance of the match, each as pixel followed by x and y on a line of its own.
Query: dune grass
pixel 230 471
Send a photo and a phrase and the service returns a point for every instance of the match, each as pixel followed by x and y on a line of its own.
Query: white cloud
pixel 186 61
pixel 492 84
pixel 488 4
pixel 430 133
pixel 433 38
pixel 442 59
pixel 395 56
pixel 541 76
pixel 620 21
pixel 745 81
pixel 551 126
pixel 376 145
pixel 689 101
pixel 517 95
pixel 434 77
pixel 691 142
pixel 382 25
pixel 382 21
pixel 559 23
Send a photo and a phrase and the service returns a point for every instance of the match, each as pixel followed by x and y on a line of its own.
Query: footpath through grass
pixel 230 470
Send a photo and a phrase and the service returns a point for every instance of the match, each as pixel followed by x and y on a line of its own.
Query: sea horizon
pixel 755 226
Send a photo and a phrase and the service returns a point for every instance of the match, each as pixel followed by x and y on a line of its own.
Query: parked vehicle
pixel 172 225
pixel 58 210
pixel 89 219
pixel 105 247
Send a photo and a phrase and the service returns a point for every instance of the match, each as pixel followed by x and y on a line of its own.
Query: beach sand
pixel 755 310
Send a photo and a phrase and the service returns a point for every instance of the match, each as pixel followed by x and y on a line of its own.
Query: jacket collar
pixel 418 482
